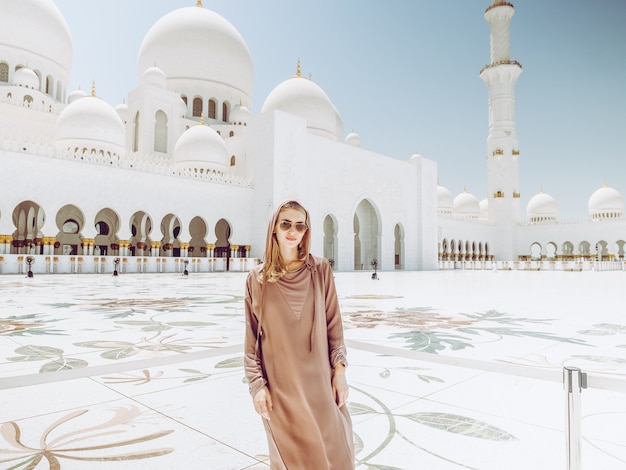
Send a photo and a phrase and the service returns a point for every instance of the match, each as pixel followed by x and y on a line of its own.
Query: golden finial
pixel 202 119
pixel 298 70
pixel 93 88
pixel 199 3
pixel 605 185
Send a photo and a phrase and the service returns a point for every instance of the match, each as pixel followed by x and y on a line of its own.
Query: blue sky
pixel 404 75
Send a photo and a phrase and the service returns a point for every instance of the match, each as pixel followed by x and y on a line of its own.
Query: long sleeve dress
pixel 300 341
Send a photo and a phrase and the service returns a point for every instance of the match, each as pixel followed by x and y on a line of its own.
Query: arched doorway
pixel 366 236
pixel 535 252
pixel 28 218
pixel 107 225
pixel 70 222
pixel 398 246
pixel 140 227
pixel 330 239
pixel 222 242
pixel 170 228
pixel 197 244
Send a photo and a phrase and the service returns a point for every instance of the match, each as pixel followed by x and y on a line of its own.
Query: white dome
pixel 122 111
pixel 199 46
pixel 91 123
pixel 484 209
pixel 201 148
pixel 37 28
pixel 76 94
pixel 542 207
pixel 303 98
pixel 444 200
pixel 606 203
pixel 239 115
pixel 154 76
pixel 466 204
pixel 353 139
pixel 27 78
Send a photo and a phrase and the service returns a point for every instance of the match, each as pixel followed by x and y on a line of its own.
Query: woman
pixel 295 357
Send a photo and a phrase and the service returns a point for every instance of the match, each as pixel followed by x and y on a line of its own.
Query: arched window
pixel 197 107
pixel 136 133
pixel 160 132
pixel 4 72
pixel 231 133
pixel 232 160
pixel 184 98
pixel 224 112
pixel 212 109
pixel 28 100
pixel 49 85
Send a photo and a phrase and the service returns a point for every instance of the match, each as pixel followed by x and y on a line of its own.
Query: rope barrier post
pixel 574 381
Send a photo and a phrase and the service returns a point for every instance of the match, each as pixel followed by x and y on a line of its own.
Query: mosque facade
pixel 183 176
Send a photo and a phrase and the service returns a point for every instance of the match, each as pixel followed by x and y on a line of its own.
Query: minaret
pixel 502 150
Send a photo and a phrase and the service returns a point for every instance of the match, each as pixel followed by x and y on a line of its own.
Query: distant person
pixel 295 356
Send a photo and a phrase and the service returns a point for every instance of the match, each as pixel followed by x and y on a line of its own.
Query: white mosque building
pixel 183 176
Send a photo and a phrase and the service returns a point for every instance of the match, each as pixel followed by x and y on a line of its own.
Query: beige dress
pixel 300 341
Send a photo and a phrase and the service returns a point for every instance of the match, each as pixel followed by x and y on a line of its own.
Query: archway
pixel 70 222
pixel 107 225
pixel 28 218
pixel 398 247
pixel 330 239
pixel 170 228
pixel 222 242
pixel 140 227
pixel 366 236
pixel 535 251
pixel 197 231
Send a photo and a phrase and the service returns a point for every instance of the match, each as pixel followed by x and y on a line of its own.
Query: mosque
pixel 182 175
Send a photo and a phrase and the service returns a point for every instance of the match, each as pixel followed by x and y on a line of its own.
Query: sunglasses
pixel 286 225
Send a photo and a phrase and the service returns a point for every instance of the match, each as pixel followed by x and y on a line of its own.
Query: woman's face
pixel 290 228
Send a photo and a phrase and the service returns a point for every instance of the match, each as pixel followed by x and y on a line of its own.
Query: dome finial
pixel 199 3
pixel 605 185
pixel 93 88
pixel 298 69
pixel 202 119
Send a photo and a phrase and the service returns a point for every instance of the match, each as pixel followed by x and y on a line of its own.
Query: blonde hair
pixel 273 264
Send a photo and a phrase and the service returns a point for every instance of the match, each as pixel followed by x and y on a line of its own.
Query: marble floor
pixel 448 370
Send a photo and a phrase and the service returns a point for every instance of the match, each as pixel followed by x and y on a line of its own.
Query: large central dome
pixel 194 43
pixel 38 34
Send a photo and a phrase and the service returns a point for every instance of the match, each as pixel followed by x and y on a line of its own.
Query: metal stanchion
pixel 574 381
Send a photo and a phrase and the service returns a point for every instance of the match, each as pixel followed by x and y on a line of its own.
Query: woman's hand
pixel 340 385
pixel 263 402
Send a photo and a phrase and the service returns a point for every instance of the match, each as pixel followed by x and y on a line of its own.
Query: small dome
pixel 606 203
pixel 122 111
pixel 353 139
pixel 466 205
pixel 240 115
pixel 444 200
pixel 542 208
pixel 484 209
pixel 73 96
pixel 91 123
pixel 27 78
pixel 201 148
pixel 301 97
pixel 154 76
